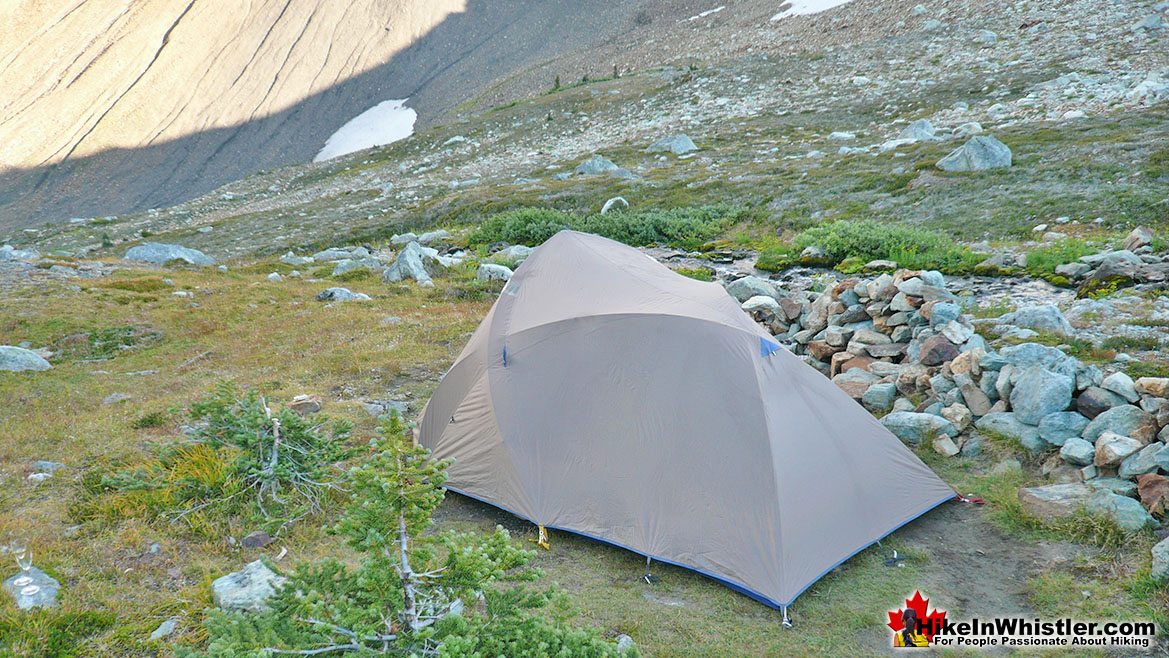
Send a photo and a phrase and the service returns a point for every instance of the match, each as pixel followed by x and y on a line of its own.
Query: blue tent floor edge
pixel 736 586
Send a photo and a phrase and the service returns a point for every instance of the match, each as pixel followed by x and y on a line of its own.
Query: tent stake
pixel 787 622
pixel 648 577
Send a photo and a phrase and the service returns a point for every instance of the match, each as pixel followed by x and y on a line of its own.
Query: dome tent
pixel 608 396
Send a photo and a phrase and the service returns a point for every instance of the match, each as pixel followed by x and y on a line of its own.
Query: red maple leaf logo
pixel 931 621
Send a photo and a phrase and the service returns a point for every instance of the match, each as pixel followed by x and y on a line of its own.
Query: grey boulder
pixel 341 295
pixel 1038 393
pixel 1058 427
pixel 415 262
pixel 915 428
pixel 493 272
pixel 1005 423
pixel 161 254
pixel 982 152
pixel 679 144
pixel 1125 420
pixel 18 359
pixel 1126 512
pixel 751 286
pixel 247 590
pixel 1043 317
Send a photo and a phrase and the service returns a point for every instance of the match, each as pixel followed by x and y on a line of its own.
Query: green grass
pixel 687 228
pixel 1131 343
pixel 851 244
pixel 1042 261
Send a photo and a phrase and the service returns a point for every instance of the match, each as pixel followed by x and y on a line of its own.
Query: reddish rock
pixel 1154 492
pixel 937 350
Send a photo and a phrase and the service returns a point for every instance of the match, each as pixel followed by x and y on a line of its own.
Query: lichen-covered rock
pixel 1038 393
pixel 247 590
pixel 1125 420
pixel 1054 501
pixel 18 359
pixel 161 254
pixel 1006 424
pixel 980 153
pixel 915 428
pixel 1058 427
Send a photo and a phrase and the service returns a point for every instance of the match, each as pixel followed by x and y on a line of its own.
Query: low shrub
pixel 1042 261
pixel 697 273
pixel 868 240
pixel 686 228
pixel 241 460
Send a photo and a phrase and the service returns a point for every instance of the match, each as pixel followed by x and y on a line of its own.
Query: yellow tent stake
pixel 542 541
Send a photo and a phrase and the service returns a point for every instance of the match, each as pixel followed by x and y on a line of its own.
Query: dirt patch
pixel 973 568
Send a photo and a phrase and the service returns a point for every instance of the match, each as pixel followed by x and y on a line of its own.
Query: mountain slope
pixel 115 107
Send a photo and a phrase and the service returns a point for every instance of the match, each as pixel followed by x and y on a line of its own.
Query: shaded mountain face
pixel 112 107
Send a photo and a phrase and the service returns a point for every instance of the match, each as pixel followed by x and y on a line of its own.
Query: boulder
pixel 1038 393
pixel 751 286
pixel 975 399
pixel 980 153
pixel 1034 354
pixel 880 397
pixel 294 260
pixel 18 359
pixel 937 350
pixel 1042 317
pixel 1160 569
pixel 1122 385
pixel 161 254
pixel 247 590
pixel 1155 386
pixel 257 539
pixel 1006 424
pixel 1094 401
pixel 679 144
pixel 959 416
pixel 165 629
pixel 334 254
pixel 1142 461
pixel 1125 420
pixel 341 295
pixel 919 131
pixel 1054 501
pixel 945 446
pixel 46 597
pixel 1139 237
pixel 855 382
pixel 415 262
pixel 493 272
pixel 1058 427
pixel 1111 449
pixel 1078 451
pixel 915 428
pixel 515 254
pixel 354 264
pixel 1153 490
pixel 434 236
pixel 399 239
pixel 1126 512
pixel 597 165
pixel 10 253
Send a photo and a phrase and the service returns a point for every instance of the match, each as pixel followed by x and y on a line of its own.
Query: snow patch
pixel 706 13
pixel 384 123
pixel 804 7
